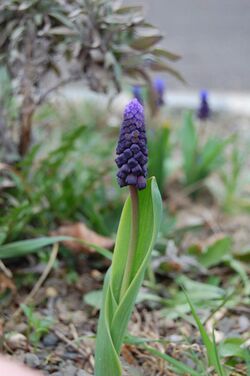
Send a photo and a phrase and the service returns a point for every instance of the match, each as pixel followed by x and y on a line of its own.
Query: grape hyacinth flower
pixel 137 93
pixel 136 235
pixel 132 152
pixel 159 88
pixel 204 111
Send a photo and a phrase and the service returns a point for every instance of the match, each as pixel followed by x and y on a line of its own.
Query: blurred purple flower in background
pixel 204 111
pixel 159 88
pixel 137 93
pixel 132 152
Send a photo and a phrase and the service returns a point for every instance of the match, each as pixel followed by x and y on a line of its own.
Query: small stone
pixel 80 372
pixel 69 371
pixel 32 360
pixel 79 317
pixel 16 341
pixel 50 340
pixel 56 374
pixel 51 292
pixel 70 355
pixel 21 327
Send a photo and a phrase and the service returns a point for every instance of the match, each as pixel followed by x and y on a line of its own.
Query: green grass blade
pixel 24 247
pixel 218 363
pixel 189 146
pixel 158 140
pixel 181 367
pixel 210 346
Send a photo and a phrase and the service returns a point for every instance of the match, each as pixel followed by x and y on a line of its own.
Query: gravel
pixel 50 340
pixel 32 360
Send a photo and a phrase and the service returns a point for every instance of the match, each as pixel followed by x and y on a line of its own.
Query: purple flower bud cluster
pixel 204 111
pixel 132 152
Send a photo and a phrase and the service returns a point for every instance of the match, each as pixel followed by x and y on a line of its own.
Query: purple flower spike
pixel 159 87
pixel 132 147
pixel 204 111
pixel 137 93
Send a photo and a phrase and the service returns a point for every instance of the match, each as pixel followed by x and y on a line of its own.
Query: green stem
pixel 133 239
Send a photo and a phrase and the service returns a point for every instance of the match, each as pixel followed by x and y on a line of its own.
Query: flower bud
pixel 204 111
pixel 132 153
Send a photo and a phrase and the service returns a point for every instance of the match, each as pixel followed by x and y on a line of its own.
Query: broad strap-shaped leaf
pixel 116 311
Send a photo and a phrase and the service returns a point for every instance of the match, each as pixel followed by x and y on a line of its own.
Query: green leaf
pixel 129 9
pixel 189 146
pixel 196 290
pixel 116 311
pixel 62 19
pixel 214 254
pixel 211 155
pixel 161 66
pixel 163 53
pixel 24 247
pixel 232 347
pixel 181 367
pixel 143 43
pixel 93 298
pixel 218 367
pixel 239 268
pixel 210 346
pixel 158 140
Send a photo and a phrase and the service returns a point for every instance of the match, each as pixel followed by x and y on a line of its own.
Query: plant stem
pixel 133 239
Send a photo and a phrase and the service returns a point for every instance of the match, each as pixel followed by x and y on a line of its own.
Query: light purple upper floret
pixel 132 153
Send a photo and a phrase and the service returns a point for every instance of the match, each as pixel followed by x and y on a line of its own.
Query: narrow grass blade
pixel 210 346
pixel 219 366
pixel 24 247
pixel 181 367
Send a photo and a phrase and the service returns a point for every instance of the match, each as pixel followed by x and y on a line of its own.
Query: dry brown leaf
pixel 81 231
pixel 6 283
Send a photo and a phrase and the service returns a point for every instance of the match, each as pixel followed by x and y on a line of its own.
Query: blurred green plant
pixel 199 161
pixel 159 152
pixel 24 247
pixel 37 326
pixel 211 347
pixel 47 190
pixel 232 179
pixel 8 109
pixel 104 41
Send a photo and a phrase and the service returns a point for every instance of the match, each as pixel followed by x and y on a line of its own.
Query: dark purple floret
pixel 204 111
pixel 132 147
pixel 159 87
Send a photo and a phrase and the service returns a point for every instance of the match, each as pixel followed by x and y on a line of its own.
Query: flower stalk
pixel 133 239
